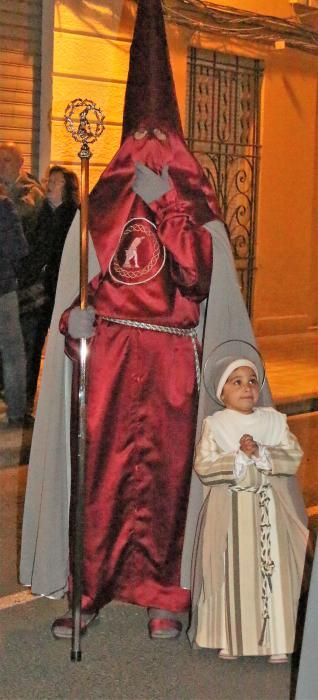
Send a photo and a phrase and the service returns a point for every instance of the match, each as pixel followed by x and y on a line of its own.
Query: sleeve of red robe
pixel 189 248
pixel 188 243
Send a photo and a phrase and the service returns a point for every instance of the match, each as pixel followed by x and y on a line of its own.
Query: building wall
pixel 285 279
pixel 90 59
pixel 20 67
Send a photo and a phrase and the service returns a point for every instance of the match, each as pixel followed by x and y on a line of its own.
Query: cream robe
pixel 238 540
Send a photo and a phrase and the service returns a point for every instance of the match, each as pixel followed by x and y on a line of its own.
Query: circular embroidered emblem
pixel 140 256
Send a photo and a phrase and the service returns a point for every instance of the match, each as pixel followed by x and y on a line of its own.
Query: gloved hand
pixel 149 185
pixel 81 322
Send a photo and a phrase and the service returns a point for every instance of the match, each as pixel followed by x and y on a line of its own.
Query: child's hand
pixel 249 446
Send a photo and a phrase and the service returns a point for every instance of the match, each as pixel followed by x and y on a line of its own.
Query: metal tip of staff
pixel 76 655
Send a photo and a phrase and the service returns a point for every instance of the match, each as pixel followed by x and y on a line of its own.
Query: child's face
pixel 241 390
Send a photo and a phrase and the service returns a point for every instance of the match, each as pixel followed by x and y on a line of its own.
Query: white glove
pixel 81 322
pixel 149 185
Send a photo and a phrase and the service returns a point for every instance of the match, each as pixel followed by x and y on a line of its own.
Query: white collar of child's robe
pixel 266 425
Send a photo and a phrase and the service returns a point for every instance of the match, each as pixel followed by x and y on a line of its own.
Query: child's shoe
pixel 225 654
pixel 278 659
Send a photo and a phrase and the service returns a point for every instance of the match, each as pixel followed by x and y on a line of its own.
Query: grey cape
pixel 44 564
pixel 45 546
pixel 307 682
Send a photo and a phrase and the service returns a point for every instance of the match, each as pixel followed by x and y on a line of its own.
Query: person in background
pixel 26 194
pixel 39 271
pixel 13 247
pixel 54 218
pixel 57 212
pixel 21 187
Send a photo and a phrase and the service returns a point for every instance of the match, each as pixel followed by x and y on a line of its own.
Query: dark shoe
pixel 17 423
pixel 28 421
pixel 12 424
pixel 62 626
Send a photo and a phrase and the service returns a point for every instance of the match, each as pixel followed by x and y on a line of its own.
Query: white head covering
pixel 230 365
pixel 220 358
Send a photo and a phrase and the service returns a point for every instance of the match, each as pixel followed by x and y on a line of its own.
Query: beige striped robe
pixel 250 545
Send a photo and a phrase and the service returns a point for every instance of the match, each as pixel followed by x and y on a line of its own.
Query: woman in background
pixel 55 216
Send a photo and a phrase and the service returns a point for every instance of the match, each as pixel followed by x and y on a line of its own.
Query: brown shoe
pixel 62 626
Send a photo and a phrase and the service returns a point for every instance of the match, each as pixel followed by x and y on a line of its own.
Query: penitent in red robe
pixel 156 266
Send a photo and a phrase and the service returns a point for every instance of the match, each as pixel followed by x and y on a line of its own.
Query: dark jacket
pixel 55 223
pixel 13 245
pixel 38 272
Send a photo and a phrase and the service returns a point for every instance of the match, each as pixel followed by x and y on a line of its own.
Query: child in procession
pixel 250 549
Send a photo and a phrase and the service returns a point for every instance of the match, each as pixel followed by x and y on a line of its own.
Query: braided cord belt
pixel 267 564
pixel 188 332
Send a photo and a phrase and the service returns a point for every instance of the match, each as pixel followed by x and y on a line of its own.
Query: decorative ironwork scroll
pixel 223 133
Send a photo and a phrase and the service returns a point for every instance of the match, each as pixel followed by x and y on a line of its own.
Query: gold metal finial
pixel 85 122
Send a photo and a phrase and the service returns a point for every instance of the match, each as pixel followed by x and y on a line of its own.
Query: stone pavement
pixel 120 662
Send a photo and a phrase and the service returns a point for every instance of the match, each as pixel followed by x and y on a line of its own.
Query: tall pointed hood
pixel 150 103
pixel 150 91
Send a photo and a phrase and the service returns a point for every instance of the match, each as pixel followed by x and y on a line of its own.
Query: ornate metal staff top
pixel 88 130
pixel 85 122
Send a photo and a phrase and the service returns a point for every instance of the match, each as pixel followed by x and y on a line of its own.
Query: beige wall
pixel 90 59
pixel 275 8
pixel 313 245
pixel 286 225
pixel 20 67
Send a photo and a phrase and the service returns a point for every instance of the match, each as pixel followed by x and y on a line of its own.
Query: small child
pixel 251 544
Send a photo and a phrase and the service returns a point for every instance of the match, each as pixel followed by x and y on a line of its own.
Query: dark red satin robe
pixel 142 402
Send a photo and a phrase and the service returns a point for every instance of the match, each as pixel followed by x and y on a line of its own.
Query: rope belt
pixel 267 564
pixel 188 332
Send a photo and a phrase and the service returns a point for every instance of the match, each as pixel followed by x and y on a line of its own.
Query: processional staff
pixel 86 123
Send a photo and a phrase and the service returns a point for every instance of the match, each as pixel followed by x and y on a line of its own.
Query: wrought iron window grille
pixel 223 133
